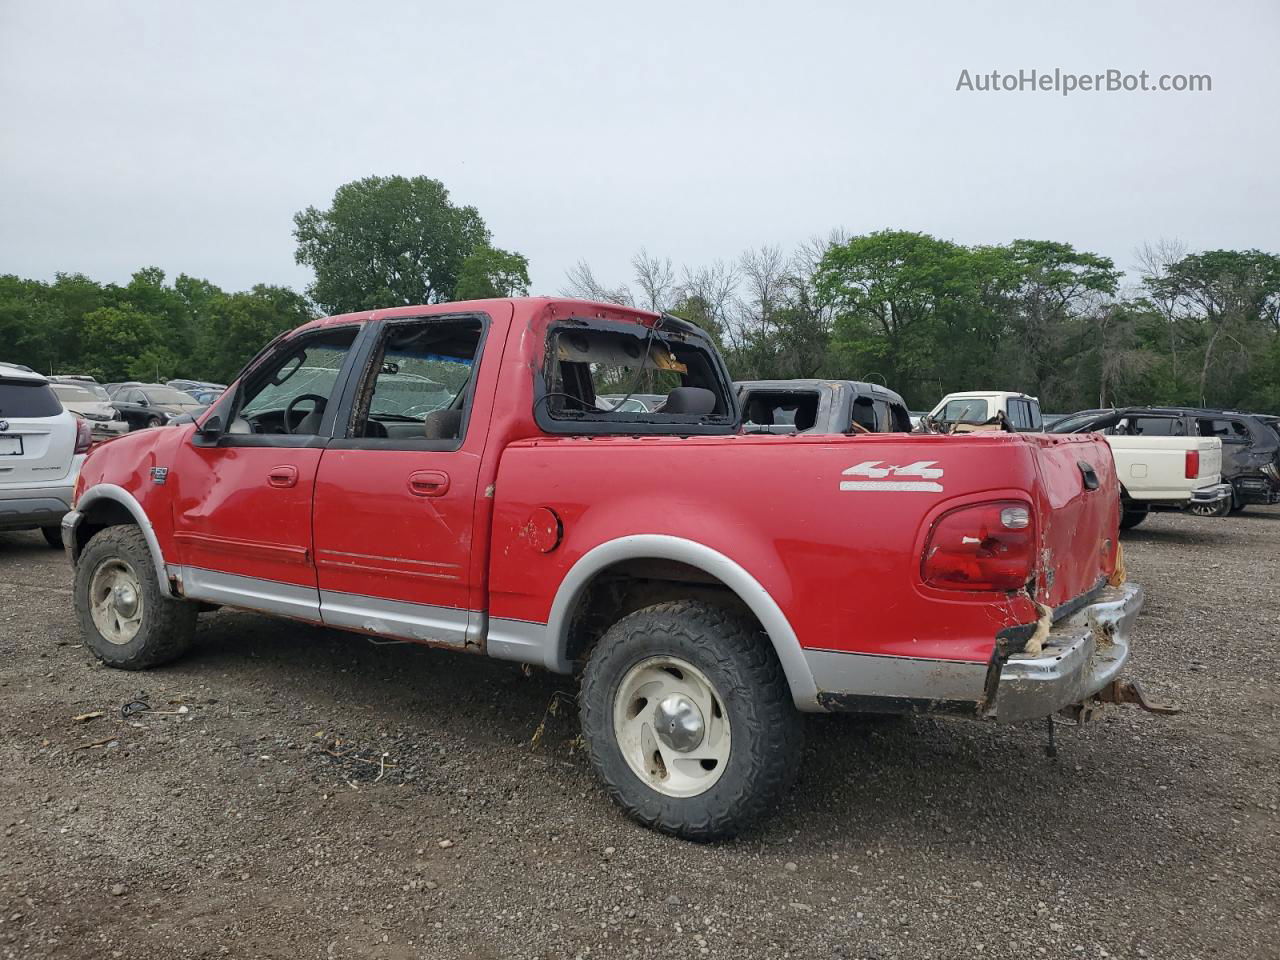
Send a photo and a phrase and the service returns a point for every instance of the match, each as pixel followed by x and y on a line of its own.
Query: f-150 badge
pixel 919 477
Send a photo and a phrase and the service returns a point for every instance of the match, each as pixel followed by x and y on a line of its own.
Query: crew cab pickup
pixel 445 475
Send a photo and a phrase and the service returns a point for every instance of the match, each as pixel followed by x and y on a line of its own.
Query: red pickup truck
pixel 449 474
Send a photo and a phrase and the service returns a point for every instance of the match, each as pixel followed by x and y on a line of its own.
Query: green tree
pixel 1231 295
pixel 902 302
pixel 490 272
pixel 114 340
pixel 387 241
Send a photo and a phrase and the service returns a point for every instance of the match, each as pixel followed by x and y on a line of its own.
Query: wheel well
pixel 97 517
pixel 629 585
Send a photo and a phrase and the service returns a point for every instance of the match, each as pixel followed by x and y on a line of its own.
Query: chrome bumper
pixel 1215 494
pixel 1083 653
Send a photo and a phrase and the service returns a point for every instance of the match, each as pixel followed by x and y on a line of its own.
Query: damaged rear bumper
pixel 1082 654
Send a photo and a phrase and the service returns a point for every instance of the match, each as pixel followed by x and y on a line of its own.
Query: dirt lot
pixel 221 823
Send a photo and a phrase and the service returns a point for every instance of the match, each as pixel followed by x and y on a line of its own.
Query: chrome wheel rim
pixel 115 601
pixel 671 726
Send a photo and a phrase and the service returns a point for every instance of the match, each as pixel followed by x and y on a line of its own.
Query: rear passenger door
pixel 395 508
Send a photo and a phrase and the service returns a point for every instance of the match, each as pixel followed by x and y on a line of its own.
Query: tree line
pixel 921 314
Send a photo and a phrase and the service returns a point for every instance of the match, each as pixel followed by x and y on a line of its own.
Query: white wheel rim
pixel 115 601
pixel 671 726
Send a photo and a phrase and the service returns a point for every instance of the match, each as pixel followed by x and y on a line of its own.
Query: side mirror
pixel 211 429
pixel 144 402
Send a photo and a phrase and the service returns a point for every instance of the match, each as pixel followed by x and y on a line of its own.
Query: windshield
pixel 1077 422
pixel 168 395
pixel 316 377
pixel 973 409
pixel 73 394
pixel 412 385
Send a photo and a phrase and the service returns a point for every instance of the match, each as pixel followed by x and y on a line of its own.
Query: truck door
pixel 395 516
pixel 242 499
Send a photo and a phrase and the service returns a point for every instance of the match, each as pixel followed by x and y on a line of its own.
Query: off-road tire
pixel 767 730
pixel 52 536
pixel 1131 516
pixel 168 625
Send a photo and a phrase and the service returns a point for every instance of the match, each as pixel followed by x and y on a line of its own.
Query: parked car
pixel 1250 449
pixel 195 386
pixel 821 406
pixel 959 412
pixel 205 395
pixel 103 418
pixel 16 366
pixel 709 586
pixel 618 401
pixel 41 449
pixel 115 386
pixel 1157 468
pixel 153 405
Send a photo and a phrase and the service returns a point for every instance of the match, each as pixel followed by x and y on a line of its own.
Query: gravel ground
pixel 297 792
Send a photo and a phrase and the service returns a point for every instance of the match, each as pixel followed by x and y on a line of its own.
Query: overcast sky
pixel 186 135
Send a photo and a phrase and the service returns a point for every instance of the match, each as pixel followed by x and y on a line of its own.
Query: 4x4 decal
pixel 893 478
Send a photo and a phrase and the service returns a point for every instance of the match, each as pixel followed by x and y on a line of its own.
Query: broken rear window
pixel 594 369
pixel 780 408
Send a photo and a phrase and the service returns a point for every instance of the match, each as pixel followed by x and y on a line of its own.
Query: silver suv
pixel 41 449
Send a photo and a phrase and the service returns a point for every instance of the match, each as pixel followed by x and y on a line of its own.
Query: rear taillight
pixel 985 546
pixel 1193 465
pixel 84 436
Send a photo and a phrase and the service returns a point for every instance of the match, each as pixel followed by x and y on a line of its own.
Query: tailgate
pixel 1079 514
pixel 1210 449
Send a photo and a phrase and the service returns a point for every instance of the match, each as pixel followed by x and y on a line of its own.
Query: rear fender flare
pixel 118 494
pixel 663 547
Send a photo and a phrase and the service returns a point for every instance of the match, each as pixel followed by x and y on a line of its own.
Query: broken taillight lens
pixel 984 546
pixel 1193 465
pixel 84 436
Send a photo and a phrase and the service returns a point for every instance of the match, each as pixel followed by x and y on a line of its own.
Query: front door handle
pixel 285 475
pixel 429 483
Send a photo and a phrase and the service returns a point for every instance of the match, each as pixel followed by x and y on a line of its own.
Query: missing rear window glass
pixel 780 408
pixel 604 377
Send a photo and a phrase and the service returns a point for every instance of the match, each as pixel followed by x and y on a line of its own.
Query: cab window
pixel 783 408
pixel 586 362
pixel 417 389
pixel 290 392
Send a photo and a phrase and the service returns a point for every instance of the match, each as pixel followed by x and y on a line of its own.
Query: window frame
pixel 364 379
pixel 228 406
pixel 675 425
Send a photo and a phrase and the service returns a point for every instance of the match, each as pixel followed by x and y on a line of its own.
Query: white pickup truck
pixel 1157 469
pixel 961 412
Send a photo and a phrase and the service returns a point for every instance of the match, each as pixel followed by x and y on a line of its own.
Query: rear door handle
pixel 285 475
pixel 429 483
pixel 1089 475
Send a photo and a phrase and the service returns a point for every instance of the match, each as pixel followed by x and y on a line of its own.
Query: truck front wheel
pixel 688 720
pixel 125 617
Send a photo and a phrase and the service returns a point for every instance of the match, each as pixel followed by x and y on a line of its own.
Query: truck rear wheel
pixel 125 617
pixel 688 720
